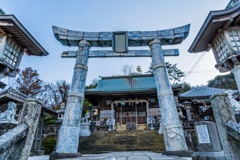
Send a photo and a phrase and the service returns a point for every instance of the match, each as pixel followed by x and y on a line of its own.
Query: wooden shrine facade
pixel 127 99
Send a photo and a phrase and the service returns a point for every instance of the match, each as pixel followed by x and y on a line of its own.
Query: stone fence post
pixel 29 115
pixel 223 112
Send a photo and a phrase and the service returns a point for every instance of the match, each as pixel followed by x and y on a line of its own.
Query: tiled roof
pixel 14 92
pixel 2 12
pixel 232 3
pixel 204 91
pixel 126 83
pixel 23 97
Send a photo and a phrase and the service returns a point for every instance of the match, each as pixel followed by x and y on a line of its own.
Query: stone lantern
pixel 61 111
pixel 187 107
pixel 221 33
pixel 15 40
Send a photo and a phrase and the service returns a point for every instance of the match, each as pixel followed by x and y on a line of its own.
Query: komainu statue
pixel 8 115
pixel 235 104
pixel 85 119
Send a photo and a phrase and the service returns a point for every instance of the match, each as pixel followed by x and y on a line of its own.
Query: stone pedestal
pixel 223 113
pixel 172 129
pixel 85 129
pixel 209 146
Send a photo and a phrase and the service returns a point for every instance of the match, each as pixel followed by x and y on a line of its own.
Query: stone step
pixel 100 142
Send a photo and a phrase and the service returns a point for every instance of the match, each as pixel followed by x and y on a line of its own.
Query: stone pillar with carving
pixel 70 130
pixel 223 113
pixel 29 115
pixel 172 129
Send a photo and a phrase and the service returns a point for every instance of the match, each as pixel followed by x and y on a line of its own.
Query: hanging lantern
pixel 137 102
pixel 123 104
pixel 129 103
pixel 116 103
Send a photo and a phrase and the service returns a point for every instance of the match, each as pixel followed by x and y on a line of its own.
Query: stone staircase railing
pixel 227 126
pixel 233 129
pixel 17 143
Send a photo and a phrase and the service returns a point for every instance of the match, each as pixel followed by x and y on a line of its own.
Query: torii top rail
pixel 134 39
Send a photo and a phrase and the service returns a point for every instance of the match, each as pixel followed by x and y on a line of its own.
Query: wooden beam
pixel 237 20
pixel 228 23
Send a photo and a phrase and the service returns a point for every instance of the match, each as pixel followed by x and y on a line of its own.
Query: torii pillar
pixel 172 129
pixel 173 133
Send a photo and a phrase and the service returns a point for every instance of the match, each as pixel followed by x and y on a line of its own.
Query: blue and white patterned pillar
pixel 172 129
pixel 70 130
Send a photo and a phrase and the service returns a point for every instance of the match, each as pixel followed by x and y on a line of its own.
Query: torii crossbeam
pixel 120 41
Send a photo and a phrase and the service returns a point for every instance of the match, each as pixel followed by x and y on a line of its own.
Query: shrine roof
pixel 135 38
pixel 203 91
pixel 232 3
pixel 11 94
pixel 11 26
pixel 2 11
pixel 127 84
pixel 215 20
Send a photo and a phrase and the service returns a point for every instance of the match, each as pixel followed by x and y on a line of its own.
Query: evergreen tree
pixel 185 87
pixel 139 70
pixel 174 73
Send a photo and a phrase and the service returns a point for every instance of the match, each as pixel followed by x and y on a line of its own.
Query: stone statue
pixel 104 122
pixel 8 115
pixel 85 119
pixel 235 104
pixel 103 125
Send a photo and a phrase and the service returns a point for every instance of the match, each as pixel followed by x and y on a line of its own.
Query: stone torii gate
pixel 119 41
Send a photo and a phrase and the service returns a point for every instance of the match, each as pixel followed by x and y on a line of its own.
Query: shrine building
pixel 127 100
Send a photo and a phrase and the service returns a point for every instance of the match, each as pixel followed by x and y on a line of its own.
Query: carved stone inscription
pixel 203 136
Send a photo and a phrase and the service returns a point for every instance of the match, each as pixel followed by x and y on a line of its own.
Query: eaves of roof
pixel 214 21
pixel 11 25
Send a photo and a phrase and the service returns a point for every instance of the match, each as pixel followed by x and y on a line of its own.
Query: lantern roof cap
pixel 215 20
pixel 10 25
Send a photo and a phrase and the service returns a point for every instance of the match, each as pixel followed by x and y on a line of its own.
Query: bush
pixel 49 145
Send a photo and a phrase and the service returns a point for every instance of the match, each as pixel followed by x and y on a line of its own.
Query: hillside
pixel 223 81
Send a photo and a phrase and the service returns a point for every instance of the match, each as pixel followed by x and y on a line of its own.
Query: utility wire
pixel 190 63
pixel 194 66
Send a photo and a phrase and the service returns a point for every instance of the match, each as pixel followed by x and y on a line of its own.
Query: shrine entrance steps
pixel 102 142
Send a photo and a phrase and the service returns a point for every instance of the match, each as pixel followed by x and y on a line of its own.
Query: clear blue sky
pixel 111 15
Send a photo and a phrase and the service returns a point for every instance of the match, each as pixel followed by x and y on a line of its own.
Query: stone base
pixel 85 129
pixel 38 152
pixel 178 153
pixel 56 155
pixel 208 155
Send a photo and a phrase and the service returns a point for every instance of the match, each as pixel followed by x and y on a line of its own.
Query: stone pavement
pixel 131 155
